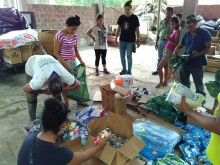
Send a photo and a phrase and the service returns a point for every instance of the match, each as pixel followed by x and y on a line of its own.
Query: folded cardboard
pixel 36 48
pixel 110 102
pixel 26 52
pixel 121 127
pixel 121 90
pixel 46 39
pixel 12 55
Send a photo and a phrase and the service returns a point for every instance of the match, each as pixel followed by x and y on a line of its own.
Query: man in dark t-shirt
pixel 40 148
pixel 197 43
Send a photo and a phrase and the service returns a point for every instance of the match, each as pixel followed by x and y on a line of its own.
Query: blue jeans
pixel 72 63
pixel 126 46
pixel 197 74
pixel 161 46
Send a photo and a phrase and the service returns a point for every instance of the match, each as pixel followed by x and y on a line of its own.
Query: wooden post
pixel 158 14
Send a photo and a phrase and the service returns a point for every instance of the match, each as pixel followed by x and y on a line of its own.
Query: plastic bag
pixel 80 94
pixel 179 60
pixel 159 140
pixel 11 19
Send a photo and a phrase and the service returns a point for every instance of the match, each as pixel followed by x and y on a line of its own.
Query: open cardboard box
pixel 121 127
pixel 110 103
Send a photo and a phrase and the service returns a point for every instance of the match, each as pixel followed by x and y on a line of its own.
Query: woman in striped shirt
pixel 65 48
pixel 65 44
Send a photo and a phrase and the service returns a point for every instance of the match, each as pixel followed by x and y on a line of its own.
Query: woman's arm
pixel 89 33
pixel 209 122
pixel 117 33
pixel 138 36
pixel 57 47
pixel 78 55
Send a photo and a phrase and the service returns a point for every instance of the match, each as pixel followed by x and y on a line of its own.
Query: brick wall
pixel 54 16
pixel 207 11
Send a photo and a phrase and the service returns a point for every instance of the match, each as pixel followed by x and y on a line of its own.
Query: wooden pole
pixel 158 14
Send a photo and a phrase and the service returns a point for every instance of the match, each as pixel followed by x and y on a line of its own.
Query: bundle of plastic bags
pixel 158 139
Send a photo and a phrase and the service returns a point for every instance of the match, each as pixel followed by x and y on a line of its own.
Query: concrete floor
pixel 13 108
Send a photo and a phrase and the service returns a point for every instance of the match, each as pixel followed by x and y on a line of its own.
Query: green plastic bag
pixel 179 60
pixel 80 94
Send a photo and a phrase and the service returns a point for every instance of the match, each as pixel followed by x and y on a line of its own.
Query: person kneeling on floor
pixel 40 148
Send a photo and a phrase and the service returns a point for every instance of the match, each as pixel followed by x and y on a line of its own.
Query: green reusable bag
pixel 179 60
pixel 80 94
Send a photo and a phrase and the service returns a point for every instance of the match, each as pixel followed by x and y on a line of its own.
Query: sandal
pixel 159 86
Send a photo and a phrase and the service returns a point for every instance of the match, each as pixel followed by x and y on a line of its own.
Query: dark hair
pixel 176 20
pixel 128 4
pixel 55 86
pixel 179 15
pixel 73 21
pixel 54 114
pixel 169 9
pixel 99 16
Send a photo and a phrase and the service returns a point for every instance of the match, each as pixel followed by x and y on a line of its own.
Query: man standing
pixel 163 31
pixel 197 43
pixel 45 75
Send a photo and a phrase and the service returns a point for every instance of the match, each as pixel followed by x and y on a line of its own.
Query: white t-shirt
pixel 40 67
pixel 100 37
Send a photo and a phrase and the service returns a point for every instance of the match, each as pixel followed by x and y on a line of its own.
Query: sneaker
pixel 155 73
pixel 129 73
pixel 123 72
pixel 83 103
pixel 97 72
pixel 106 71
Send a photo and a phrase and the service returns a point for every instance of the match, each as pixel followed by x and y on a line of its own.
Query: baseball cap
pixel 190 19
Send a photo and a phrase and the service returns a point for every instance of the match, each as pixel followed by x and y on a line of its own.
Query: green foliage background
pixel 88 2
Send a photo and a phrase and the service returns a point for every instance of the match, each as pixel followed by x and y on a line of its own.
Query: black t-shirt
pixel 35 151
pixel 128 26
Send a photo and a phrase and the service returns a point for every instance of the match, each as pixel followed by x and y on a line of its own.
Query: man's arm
pixel 209 122
pixel 207 47
pixel 28 89
pixel 177 50
pixel 72 87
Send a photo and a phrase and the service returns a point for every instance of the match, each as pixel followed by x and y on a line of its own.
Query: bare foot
pixel 159 85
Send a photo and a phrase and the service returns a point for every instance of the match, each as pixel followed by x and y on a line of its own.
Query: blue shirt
pixel 35 151
pixel 196 43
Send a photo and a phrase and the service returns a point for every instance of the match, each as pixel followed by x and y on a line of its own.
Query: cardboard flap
pixel 121 126
pixel 107 87
pixel 98 124
pixel 132 147
pixel 73 145
pixel 120 159
pixel 107 154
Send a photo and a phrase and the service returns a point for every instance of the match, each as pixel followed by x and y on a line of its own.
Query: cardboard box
pixel 36 48
pixel 121 127
pixel 211 50
pixel 46 39
pixel 110 103
pixel 12 55
pixel 26 52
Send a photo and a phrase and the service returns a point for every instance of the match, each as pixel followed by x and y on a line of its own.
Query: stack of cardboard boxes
pixel 21 54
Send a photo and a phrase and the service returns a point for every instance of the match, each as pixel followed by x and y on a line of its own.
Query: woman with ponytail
pixel 128 28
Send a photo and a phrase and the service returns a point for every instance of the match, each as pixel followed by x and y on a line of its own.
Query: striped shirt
pixel 67 50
